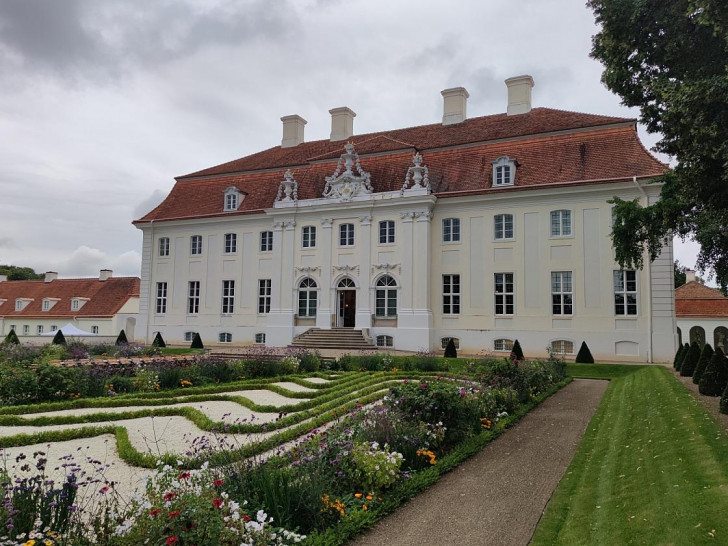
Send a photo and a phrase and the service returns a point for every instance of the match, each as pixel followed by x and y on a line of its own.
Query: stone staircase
pixel 335 338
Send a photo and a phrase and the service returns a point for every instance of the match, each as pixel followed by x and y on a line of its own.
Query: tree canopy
pixel 669 59
pixel 17 273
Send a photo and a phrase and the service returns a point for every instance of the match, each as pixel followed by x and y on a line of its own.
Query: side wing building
pixel 485 230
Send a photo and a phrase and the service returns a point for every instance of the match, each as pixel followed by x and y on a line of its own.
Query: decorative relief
pixel 345 269
pixel 289 224
pixel 417 175
pixel 326 222
pixel 288 189
pixel 309 268
pixel 407 216
pixel 365 220
pixel 386 267
pixel 423 215
pixel 278 225
pixel 344 186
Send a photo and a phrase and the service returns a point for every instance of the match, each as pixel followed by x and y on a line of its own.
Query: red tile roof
pixel 694 299
pixel 105 297
pixel 550 147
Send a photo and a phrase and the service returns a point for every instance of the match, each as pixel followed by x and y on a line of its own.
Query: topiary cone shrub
pixel 715 377
pixel 724 401
pixel 59 338
pixel 584 355
pixel 691 360
pixel 121 339
pixel 158 341
pixel 679 355
pixel 517 351
pixel 197 342
pixel 12 338
pixel 705 357
pixel 450 350
pixel 686 348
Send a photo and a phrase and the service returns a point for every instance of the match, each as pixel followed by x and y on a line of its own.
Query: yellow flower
pixel 364 507
pixel 358 495
pixel 369 497
pixel 31 542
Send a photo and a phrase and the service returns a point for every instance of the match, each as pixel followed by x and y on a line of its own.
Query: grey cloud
pixel 7 242
pixel 86 262
pixel 149 203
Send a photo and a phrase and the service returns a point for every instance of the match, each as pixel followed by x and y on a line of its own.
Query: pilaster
pixel 363 317
pixel 324 309
pixel 280 319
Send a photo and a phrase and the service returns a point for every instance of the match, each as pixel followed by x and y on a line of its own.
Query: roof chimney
pixel 689 275
pixel 519 94
pixel 342 123
pixel 105 274
pixel 50 276
pixel 292 131
pixel 455 105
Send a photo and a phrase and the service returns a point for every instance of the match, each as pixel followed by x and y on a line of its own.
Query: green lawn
pixel 652 468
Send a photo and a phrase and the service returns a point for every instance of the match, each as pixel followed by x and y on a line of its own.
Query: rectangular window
pixel 189 336
pixel 196 245
pixel 451 294
pixel 260 338
pixel 504 293
pixel 560 223
pixel 562 293
pixel 18 305
pixel 308 237
pixel 503 226
pixel 39 329
pixel 386 232
pixel 264 292
pixel 53 327
pixel 503 175
pixel 231 201
pixel 451 230
pixel 94 329
pixel 562 347
pixel 193 297
pixel 502 344
pixel 231 243
pixel 46 305
pixel 266 241
pixel 75 304
pixel 26 330
pixel 164 246
pixel 14 328
pixel 346 235
pixel 445 340
pixel 225 337
pixel 161 304
pixel 228 297
pixel 625 292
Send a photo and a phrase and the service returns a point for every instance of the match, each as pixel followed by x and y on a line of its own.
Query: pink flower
pixel 217 503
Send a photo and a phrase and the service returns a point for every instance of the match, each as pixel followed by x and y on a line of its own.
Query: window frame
pixel 259 338
pixel 195 245
pixel 163 247
pixel 562 342
pixel 227 302
pixel 504 341
pixel 451 230
pixel 39 329
pixel 308 237
pixel 346 235
pixel 307 295
pixel 264 296
pixel 193 297
pixel 625 292
pixel 501 176
pixel 385 297
pixel 560 295
pixel 500 233
pixel 501 298
pixel 26 329
pixel 231 199
pixel 266 241
pixel 189 336
pixel 558 219
pixel 450 296
pixel 94 329
pixel 387 340
pixel 225 337
pixel 445 340
pixel 230 243
pixel 160 300
pixel 386 232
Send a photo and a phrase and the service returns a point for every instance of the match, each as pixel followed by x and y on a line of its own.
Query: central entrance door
pixel 346 312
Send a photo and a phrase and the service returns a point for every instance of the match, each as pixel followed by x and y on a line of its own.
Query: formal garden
pixel 129 445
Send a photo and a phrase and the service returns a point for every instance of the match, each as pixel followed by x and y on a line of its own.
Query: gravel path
pixel 497 497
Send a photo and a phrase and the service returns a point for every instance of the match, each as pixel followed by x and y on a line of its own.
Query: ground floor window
pixel 504 294
pixel 386 297
pixel 260 338
pixel 264 293
pixel 94 329
pixel 225 337
pixel 189 336
pixel 445 340
pixel 385 341
pixel 562 347
pixel 451 294
pixel 503 344
pixel 307 298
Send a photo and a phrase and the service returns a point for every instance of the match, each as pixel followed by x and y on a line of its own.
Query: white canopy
pixel 69 330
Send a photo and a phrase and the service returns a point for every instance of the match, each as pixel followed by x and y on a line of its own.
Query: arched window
pixel 386 297
pixel 307 297
pixel 720 338
pixel 346 283
pixel 385 341
pixel 504 171
pixel 697 334
pixel 232 199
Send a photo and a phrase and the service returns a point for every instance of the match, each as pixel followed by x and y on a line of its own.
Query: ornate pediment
pixel 350 183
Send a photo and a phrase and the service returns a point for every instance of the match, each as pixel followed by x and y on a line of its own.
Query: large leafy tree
pixel 17 273
pixel 670 59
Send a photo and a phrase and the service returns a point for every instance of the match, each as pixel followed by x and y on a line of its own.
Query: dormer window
pixel 22 303
pixel 504 171
pixel 77 303
pixel 48 303
pixel 232 199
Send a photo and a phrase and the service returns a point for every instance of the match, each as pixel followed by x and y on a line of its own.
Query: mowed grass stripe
pixel 652 468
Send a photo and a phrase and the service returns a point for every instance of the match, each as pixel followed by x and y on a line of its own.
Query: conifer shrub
pixel 197 342
pixel 691 360
pixel 686 348
pixel 59 338
pixel 705 357
pixel 517 351
pixel 158 341
pixel 679 355
pixel 121 339
pixel 12 338
pixel 715 377
pixel 724 401
pixel 584 355
pixel 450 350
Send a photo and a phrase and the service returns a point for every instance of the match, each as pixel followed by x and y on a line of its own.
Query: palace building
pixel 484 230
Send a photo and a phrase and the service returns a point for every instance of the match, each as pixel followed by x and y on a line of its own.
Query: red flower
pixel 174 513
pixel 169 496
pixel 104 489
pixel 154 511
pixel 217 503
pixel 184 475
pixel 246 517
pixel 218 483
pixel 172 540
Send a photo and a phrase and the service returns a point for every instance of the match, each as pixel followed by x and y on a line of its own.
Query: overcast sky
pixel 103 102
